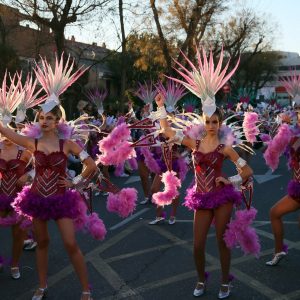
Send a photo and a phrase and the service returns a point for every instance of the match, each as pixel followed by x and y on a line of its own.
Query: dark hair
pixel 55 111
pixel 219 114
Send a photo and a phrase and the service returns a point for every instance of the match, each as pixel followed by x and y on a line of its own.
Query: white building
pixel 288 62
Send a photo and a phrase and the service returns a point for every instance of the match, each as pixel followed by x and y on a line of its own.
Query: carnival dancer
pixel 172 93
pixel 213 196
pixel 286 139
pixel 52 195
pixel 13 162
pixel 146 92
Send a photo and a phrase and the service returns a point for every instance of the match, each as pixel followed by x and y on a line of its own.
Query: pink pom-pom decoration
pixel 65 131
pixel 250 126
pixel 96 227
pixel 277 146
pixel 115 148
pixel 150 162
pixel 172 183
pixel 123 203
pixel 240 232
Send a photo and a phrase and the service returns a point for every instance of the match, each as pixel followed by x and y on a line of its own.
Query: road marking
pixel 112 277
pixel 133 179
pixel 127 220
pixel 63 273
pixel 265 177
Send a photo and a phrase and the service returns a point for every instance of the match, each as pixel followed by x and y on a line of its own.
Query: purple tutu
pixel 294 190
pixel 195 200
pixel 5 203
pixel 53 207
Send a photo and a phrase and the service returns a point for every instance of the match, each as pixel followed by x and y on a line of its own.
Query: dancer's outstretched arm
pixel 18 139
pixel 167 130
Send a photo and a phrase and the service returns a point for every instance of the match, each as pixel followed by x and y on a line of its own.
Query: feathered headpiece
pixel 56 82
pixel 147 93
pixel 205 80
pixel 97 96
pixel 30 97
pixel 292 86
pixel 172 93
pixel 10 97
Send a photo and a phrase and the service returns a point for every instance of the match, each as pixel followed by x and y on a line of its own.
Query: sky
pixel 284 13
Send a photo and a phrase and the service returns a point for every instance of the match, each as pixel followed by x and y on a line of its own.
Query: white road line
pixel 127 220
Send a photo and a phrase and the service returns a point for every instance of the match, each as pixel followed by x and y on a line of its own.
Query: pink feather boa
pixel 91 223
pixel 172 183
pixel 150 162
pixel 239 232
pixel 277 146
pixel 250 126
pixel 115 148
pixel 123 203
pixel 133 163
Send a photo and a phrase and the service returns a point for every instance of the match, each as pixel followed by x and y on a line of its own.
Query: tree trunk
pixel 162 38
pixel 123 57
pixel 59 38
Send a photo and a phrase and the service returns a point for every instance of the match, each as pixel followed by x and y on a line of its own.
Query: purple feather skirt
pixel 54 207
pixel 139 155
pixel 195 200
pixel 294 190
pixel 5 203
pixel 10 217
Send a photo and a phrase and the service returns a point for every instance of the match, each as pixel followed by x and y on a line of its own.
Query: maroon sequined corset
pixel 48 168
pixel 11 170
pixel 208 166
pixel 295 159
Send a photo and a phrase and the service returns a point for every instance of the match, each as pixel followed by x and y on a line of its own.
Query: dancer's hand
pixel 64 182
pixel 222 180
pixel 160 100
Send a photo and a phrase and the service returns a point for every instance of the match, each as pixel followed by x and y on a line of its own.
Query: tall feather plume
pixel 172 93
pixel 205 80
pixel 292 85
pixel 146 92
pixel 97 96
pixel 58 80
pixel 10 97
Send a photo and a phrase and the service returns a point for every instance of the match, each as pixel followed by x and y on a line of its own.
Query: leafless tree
pixel 57 14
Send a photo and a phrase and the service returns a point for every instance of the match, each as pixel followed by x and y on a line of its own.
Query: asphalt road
pixel 138 261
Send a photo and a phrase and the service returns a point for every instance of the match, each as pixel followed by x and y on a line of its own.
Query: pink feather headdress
pixel 292 86
pixel 30 97
pixel 10 97
pixel 56 82
pixel 97 96
pixel 172 93
pixel 206 80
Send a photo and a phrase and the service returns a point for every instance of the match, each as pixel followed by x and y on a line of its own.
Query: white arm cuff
pixel 83 155
pixel 240 163
pixel 236 181
pixel 159 114
pixel 78 179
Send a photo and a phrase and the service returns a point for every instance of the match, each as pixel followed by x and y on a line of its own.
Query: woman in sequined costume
pixel 290 202
pixel 51 196
pixel 13 162
pixel 213 196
